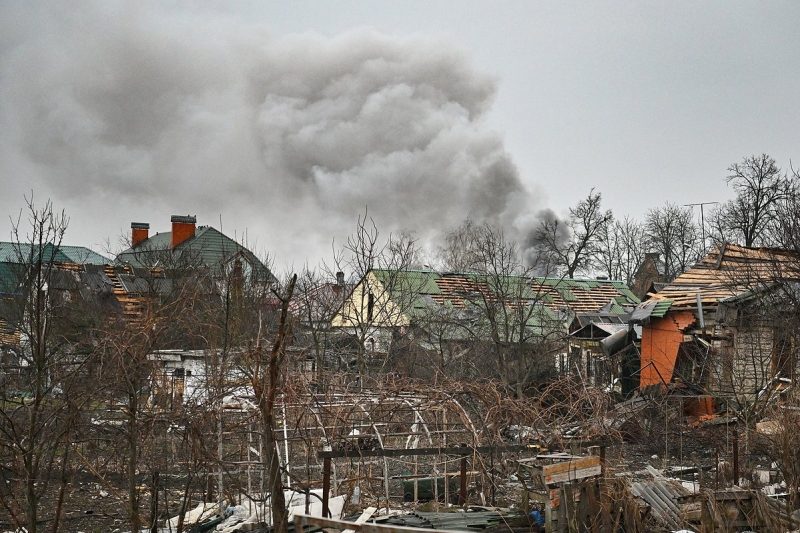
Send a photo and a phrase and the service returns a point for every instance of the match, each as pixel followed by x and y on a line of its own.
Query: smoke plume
pixel 123 112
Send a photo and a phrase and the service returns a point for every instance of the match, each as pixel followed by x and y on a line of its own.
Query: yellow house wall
pixel 354 312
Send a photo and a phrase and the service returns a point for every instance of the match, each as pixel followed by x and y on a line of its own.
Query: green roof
pixel 422 281
pixel 12 252
pixel 661 308
pixel 567 294
pixel 208 247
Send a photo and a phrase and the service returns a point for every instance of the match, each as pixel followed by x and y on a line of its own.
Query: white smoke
pixel 122 112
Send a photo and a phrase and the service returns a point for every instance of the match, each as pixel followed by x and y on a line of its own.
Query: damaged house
pixel 68 280
pixel 514 328
pixel 151 270
pixel 728 325
pixel 192 246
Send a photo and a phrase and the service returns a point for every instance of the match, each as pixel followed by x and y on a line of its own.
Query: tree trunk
pixel 266 401
pixel 133 452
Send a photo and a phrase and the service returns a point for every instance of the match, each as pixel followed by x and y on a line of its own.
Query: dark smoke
pixel 120 112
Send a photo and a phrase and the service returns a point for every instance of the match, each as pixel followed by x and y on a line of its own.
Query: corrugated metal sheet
pixel 650 309
pixel 457 521
pixel 663 496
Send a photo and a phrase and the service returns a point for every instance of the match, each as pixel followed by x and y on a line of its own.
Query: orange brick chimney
pixel 182 228
pixel 140 231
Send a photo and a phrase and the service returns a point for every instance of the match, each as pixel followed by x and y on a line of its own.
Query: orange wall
pixel 661 339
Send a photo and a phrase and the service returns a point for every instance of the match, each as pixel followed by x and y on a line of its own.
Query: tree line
pixel 592 241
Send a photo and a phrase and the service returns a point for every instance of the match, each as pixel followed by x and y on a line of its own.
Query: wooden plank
pixel 538 497
pixel 571 470
pixel 368 512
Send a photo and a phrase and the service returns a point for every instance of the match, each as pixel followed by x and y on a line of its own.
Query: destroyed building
pixel 464 316
pixel 72 277
pixel 728 325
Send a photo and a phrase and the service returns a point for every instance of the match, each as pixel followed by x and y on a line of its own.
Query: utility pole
pixel 702 220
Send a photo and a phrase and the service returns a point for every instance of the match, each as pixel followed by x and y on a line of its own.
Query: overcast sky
pixel 281 121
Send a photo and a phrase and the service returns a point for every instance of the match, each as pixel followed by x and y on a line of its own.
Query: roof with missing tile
pixel 557 294
pixel 728 272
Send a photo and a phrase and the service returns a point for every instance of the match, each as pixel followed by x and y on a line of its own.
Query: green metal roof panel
pixel 617 309
pixel 421 281
pixel 12 252
pixel 209 247
pixel 566 294
pixel 628 294
pixel 84 256
pixel 661 308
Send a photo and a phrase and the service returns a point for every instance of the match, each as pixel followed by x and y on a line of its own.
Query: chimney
pixel 140 231
pixel 340 279
pixel 182 228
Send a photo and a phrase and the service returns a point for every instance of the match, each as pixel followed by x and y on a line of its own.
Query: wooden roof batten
pixel 729 271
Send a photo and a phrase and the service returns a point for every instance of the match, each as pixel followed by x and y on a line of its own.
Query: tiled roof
pixel 209 247
pixel 582 296
pixel 12 255
pixel 728 272
pixel 557 294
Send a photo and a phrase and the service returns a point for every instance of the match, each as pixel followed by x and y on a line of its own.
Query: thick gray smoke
pixel 122 112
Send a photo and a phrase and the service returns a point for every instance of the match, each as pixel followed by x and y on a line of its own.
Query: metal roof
pixel 557 294
pixel 208 247
pixel 13 252
pixel 663 496
pixel 452 521
pixel 650 309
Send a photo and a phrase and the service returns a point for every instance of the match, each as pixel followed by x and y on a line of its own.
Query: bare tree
pixel 265 380
pixel 508 319
pixel 672 233
pixel 378 313
pixel 460 252
pixel 573 244
pixel 171 296
pixel 43 386
pixel 621 250
pixel 760 186
pixel 316 300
